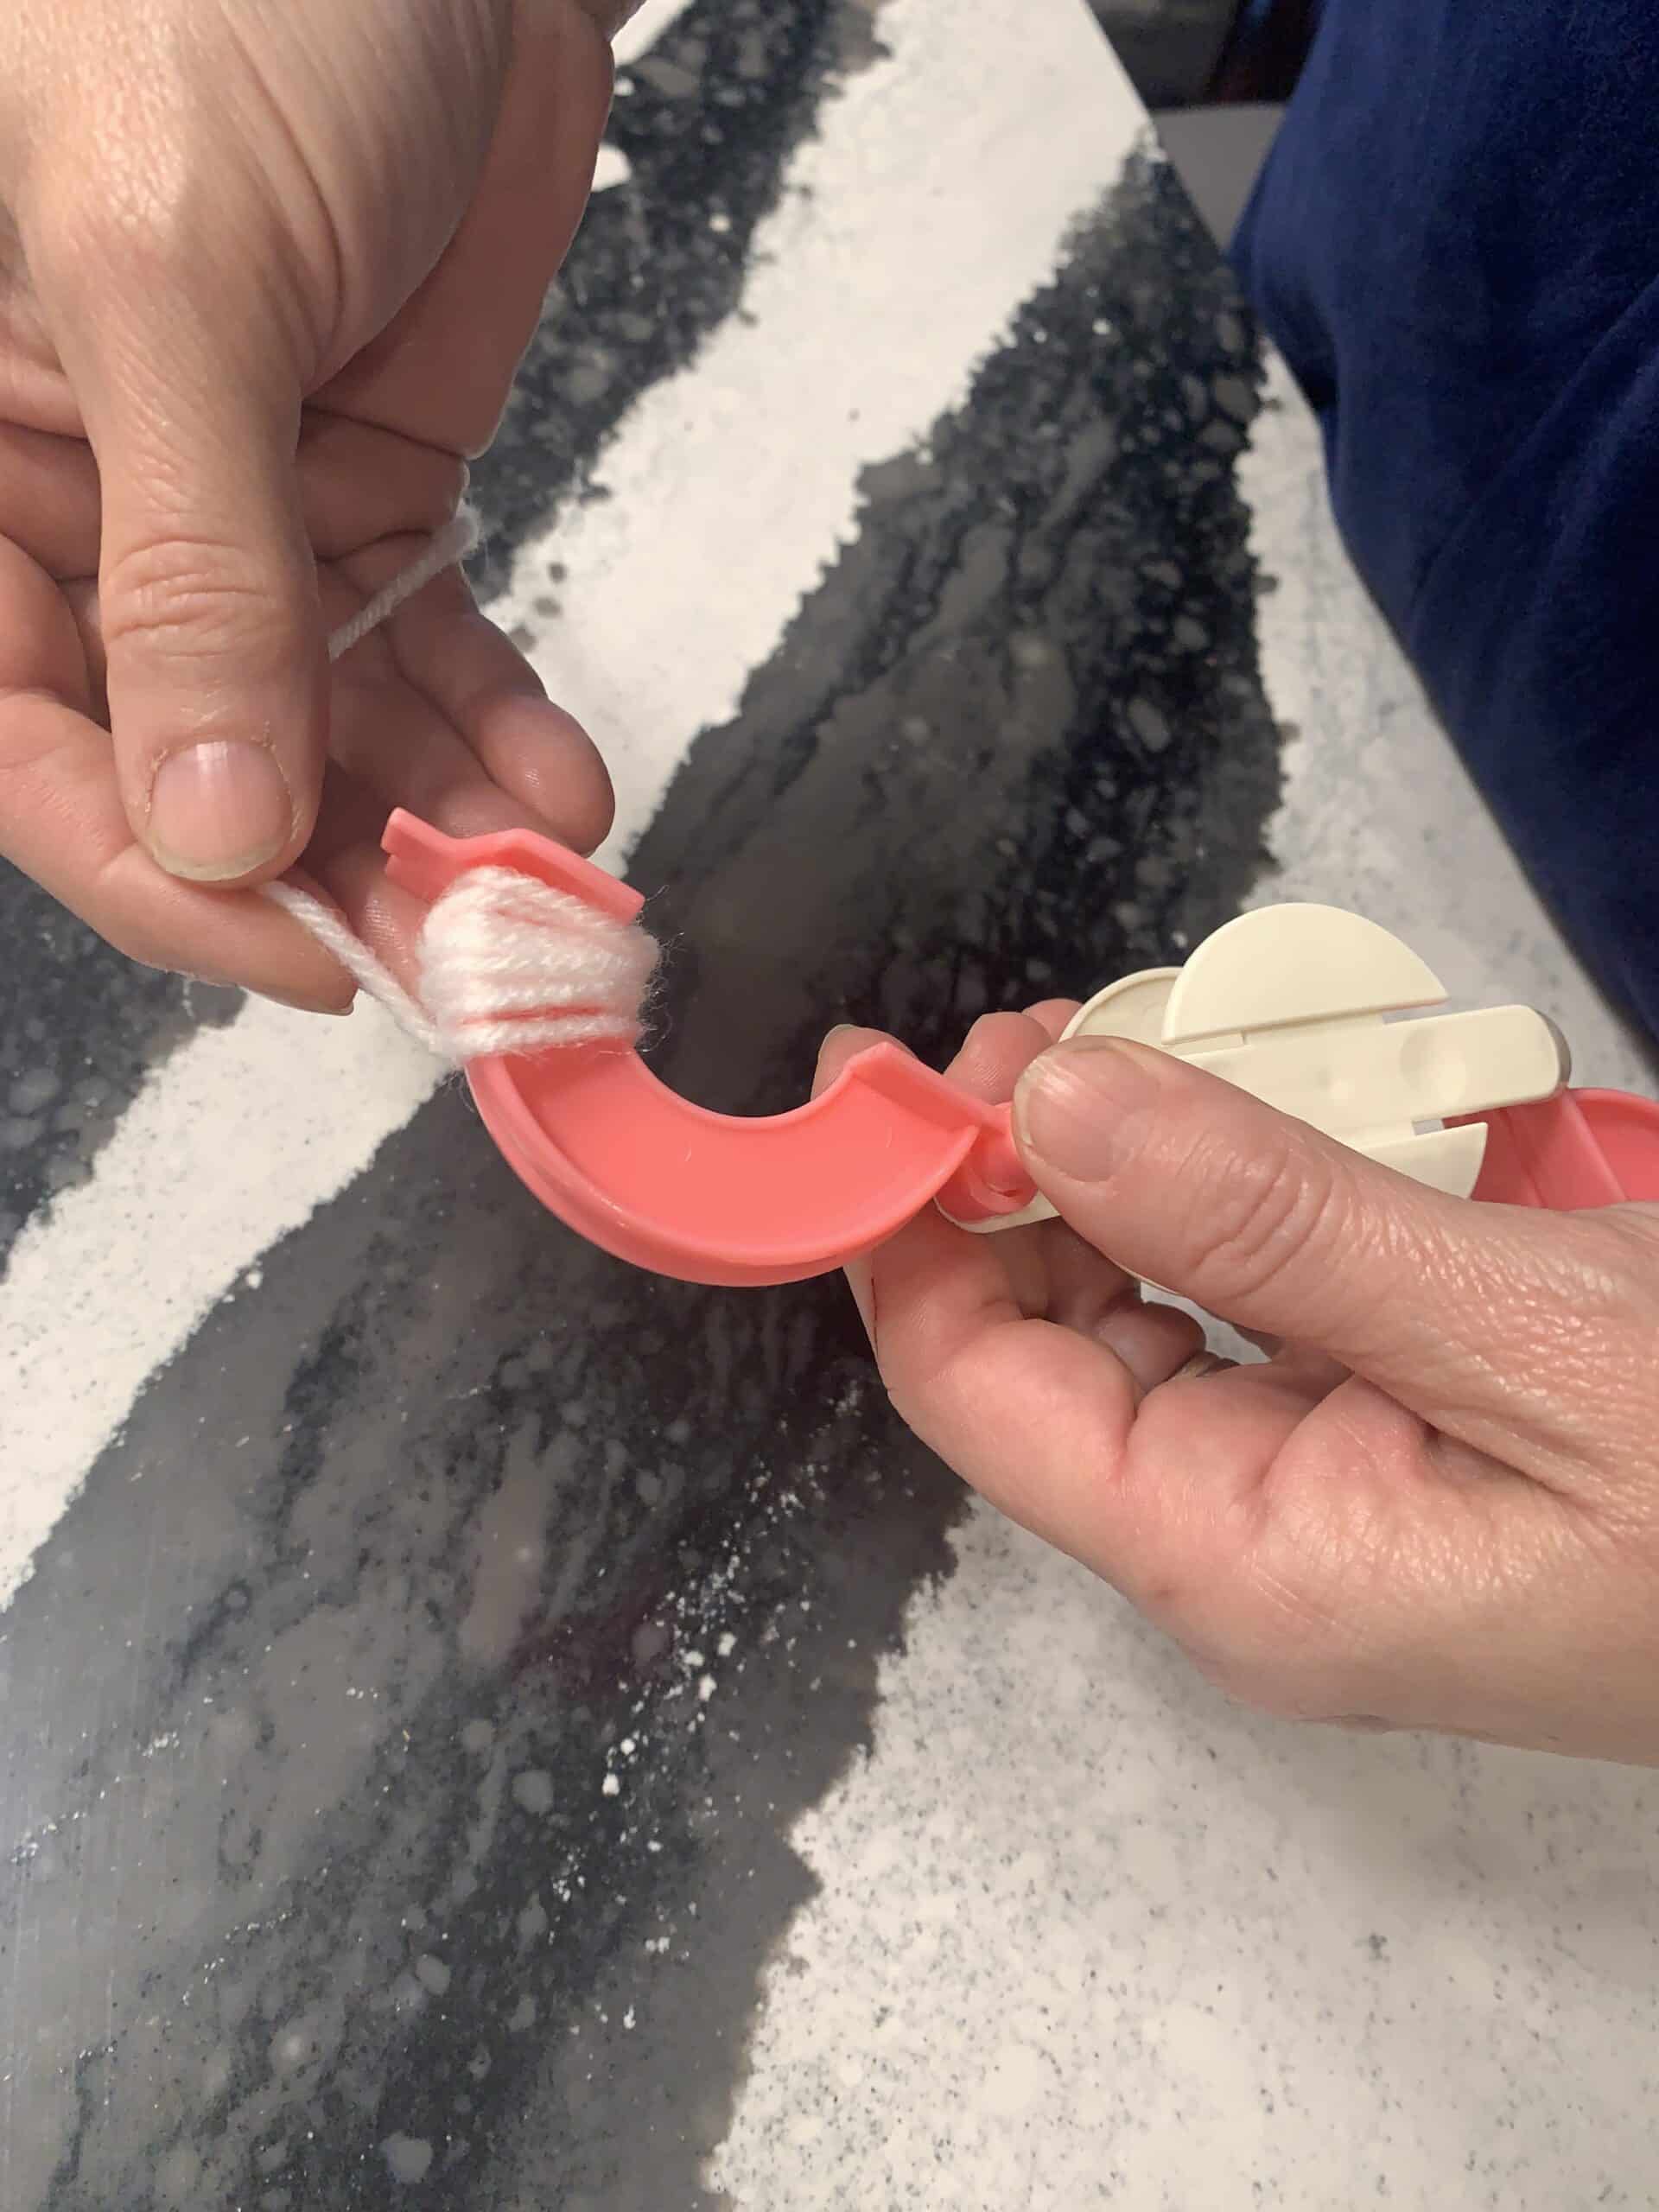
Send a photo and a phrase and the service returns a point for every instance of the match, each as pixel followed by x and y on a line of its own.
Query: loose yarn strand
pixel 508 965
pixel 454 542
pixel 371 974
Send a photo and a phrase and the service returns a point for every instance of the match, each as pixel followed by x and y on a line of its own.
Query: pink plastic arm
pixel 716 1198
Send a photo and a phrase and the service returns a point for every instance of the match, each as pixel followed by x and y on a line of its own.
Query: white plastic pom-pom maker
pixel 1291 1003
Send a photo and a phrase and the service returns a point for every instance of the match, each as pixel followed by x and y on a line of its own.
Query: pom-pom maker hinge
pixel 1289 1002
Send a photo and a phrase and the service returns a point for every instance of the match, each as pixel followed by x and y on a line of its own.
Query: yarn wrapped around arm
pixel 507 965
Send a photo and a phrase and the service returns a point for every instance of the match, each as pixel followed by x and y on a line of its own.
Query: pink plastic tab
pixel 716 1198
pixel 1579 1149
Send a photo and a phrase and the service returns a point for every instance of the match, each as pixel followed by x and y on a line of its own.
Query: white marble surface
pixel 1088 1936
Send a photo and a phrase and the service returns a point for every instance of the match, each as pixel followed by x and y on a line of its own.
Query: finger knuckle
pixel 431 496
pixel 192 596
pixel 1258 1215
pixel 363 485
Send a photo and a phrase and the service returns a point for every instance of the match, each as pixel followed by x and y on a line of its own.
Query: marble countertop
pixel 482 1727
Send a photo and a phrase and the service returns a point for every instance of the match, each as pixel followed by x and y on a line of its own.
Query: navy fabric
pixel 1455 243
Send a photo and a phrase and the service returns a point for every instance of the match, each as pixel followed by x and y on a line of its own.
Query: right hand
pixel 1436 1506
pixel 265 277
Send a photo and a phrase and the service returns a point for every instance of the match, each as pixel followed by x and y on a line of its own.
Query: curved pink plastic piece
pixel 716 1198
pixel 1581 1148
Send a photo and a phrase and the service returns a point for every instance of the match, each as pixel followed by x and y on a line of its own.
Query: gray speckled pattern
pixel 484 1728
pixel 1087 1935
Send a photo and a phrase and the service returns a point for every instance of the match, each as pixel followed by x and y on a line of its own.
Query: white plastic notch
pixel 1291 1003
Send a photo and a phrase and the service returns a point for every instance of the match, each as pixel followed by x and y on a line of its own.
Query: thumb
pixel 207 600
pixel 1192 1184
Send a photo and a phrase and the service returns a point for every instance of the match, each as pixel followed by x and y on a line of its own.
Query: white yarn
pixel 511 965
pixel 507 964
pixel 458 537
pixel 371 975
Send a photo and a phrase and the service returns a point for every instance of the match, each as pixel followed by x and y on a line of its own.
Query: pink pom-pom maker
pixel 1288 1002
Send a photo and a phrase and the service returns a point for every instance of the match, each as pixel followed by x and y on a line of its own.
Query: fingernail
pixel 218 810
pixel 304 1005
pixel 1071 1101
pixel 858 1029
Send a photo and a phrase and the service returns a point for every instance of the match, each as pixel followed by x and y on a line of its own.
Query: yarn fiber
pixel 511 965
pixel 507 964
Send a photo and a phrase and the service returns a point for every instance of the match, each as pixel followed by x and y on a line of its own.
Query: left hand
pixel 265 276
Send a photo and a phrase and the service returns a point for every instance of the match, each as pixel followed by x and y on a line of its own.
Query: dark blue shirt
pixel 1455 244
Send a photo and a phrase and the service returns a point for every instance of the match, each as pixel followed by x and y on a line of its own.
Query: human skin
pixel 265 277
pixel 1435 1506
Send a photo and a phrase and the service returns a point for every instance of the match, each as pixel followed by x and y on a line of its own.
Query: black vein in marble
pixel 708 120
pixel 80 1028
